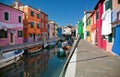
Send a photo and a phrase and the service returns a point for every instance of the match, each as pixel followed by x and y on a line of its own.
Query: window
pixel 110 38
pixel 96 15
pixel 42 16
pixel 46 18
pixel 42 25
pixel 38 25
pixel 3 34
pixel 6 16
pixel 107 5
pixel 32 24
pixel 88 33
pixel 38 15
pixel 20 34
pixel 113 32
pixel 33 65
pixel 118 1
pixel 19 19
pixel 32 13
pixel 103 37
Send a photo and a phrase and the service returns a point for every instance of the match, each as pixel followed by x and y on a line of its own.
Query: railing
pixel 62 74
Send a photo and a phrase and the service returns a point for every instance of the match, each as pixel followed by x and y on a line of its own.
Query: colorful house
pixel 31 22
pixel 88 29
pixel 59 31
pixel 116 26
pixel 107 29
pixel 93 27
pixel 44 25
pixel 101 41
pixel 86 15
pixel 52 29
pixel 80 29
pixel 11 25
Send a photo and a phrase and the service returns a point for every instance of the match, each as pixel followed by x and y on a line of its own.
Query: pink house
pixel 11 25
pixel 101 41
pixel 52 27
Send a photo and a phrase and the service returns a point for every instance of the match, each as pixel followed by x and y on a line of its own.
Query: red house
pixel 101 41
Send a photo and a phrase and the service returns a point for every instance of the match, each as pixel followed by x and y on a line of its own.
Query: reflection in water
pixel 13 70
pixel 44 63
pixel 36 64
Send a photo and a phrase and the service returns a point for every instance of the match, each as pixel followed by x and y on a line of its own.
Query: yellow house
pixel 88 29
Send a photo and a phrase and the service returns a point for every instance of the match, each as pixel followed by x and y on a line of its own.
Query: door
pixel 11 38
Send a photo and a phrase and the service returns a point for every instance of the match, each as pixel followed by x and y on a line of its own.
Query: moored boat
pixel 34 49
pixel 7 58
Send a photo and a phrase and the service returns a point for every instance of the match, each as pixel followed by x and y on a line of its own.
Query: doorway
pixel 11 38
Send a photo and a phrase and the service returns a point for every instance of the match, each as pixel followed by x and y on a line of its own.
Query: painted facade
pixel 35 24
pixel 107 29
pixel 116 25
pixel 44 25
pixel 59 31
pixel 52 28
pixel 31 22
pixel 93 27
pixel 101 41
pixel 86 15
pixel 80 29
pixel 66 30
pixel 11 26
pixel 88 29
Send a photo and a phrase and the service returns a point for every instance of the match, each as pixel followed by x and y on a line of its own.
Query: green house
pixel 80 29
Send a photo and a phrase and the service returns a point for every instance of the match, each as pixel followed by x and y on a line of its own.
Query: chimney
pixel 85 11
pixel 16 4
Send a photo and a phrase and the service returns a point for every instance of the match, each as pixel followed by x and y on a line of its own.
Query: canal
pixel 44 63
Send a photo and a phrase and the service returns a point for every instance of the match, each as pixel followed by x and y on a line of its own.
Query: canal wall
pixel 62 74
pixel 25 45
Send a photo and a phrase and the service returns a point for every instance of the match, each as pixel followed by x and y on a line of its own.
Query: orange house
pixel 32 23
pixel 93 27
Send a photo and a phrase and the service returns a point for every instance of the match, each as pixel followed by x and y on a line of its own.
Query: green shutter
pixel 20 34
pixel 103 37
pixel 19 19
pixel 118 1
pixel 32 13
pixel 96 15
pixel 6 15
pixel 110 38
pixel 88 33
pixel 107 5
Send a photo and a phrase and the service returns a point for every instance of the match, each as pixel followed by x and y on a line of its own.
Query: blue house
pixel 59 31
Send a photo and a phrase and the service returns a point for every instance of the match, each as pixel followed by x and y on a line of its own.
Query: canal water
pixel 44 63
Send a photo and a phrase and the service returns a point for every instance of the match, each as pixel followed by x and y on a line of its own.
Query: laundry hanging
pixel 106 23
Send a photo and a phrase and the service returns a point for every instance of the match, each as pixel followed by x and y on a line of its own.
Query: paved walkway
pixel 94 62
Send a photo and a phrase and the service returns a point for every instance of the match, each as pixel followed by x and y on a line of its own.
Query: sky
pixel 63 12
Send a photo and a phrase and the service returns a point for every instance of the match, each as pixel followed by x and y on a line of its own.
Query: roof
pixel 10 7
pixel 100 1
pixel 35 9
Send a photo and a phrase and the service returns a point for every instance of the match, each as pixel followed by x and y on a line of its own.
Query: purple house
pixel 11 25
